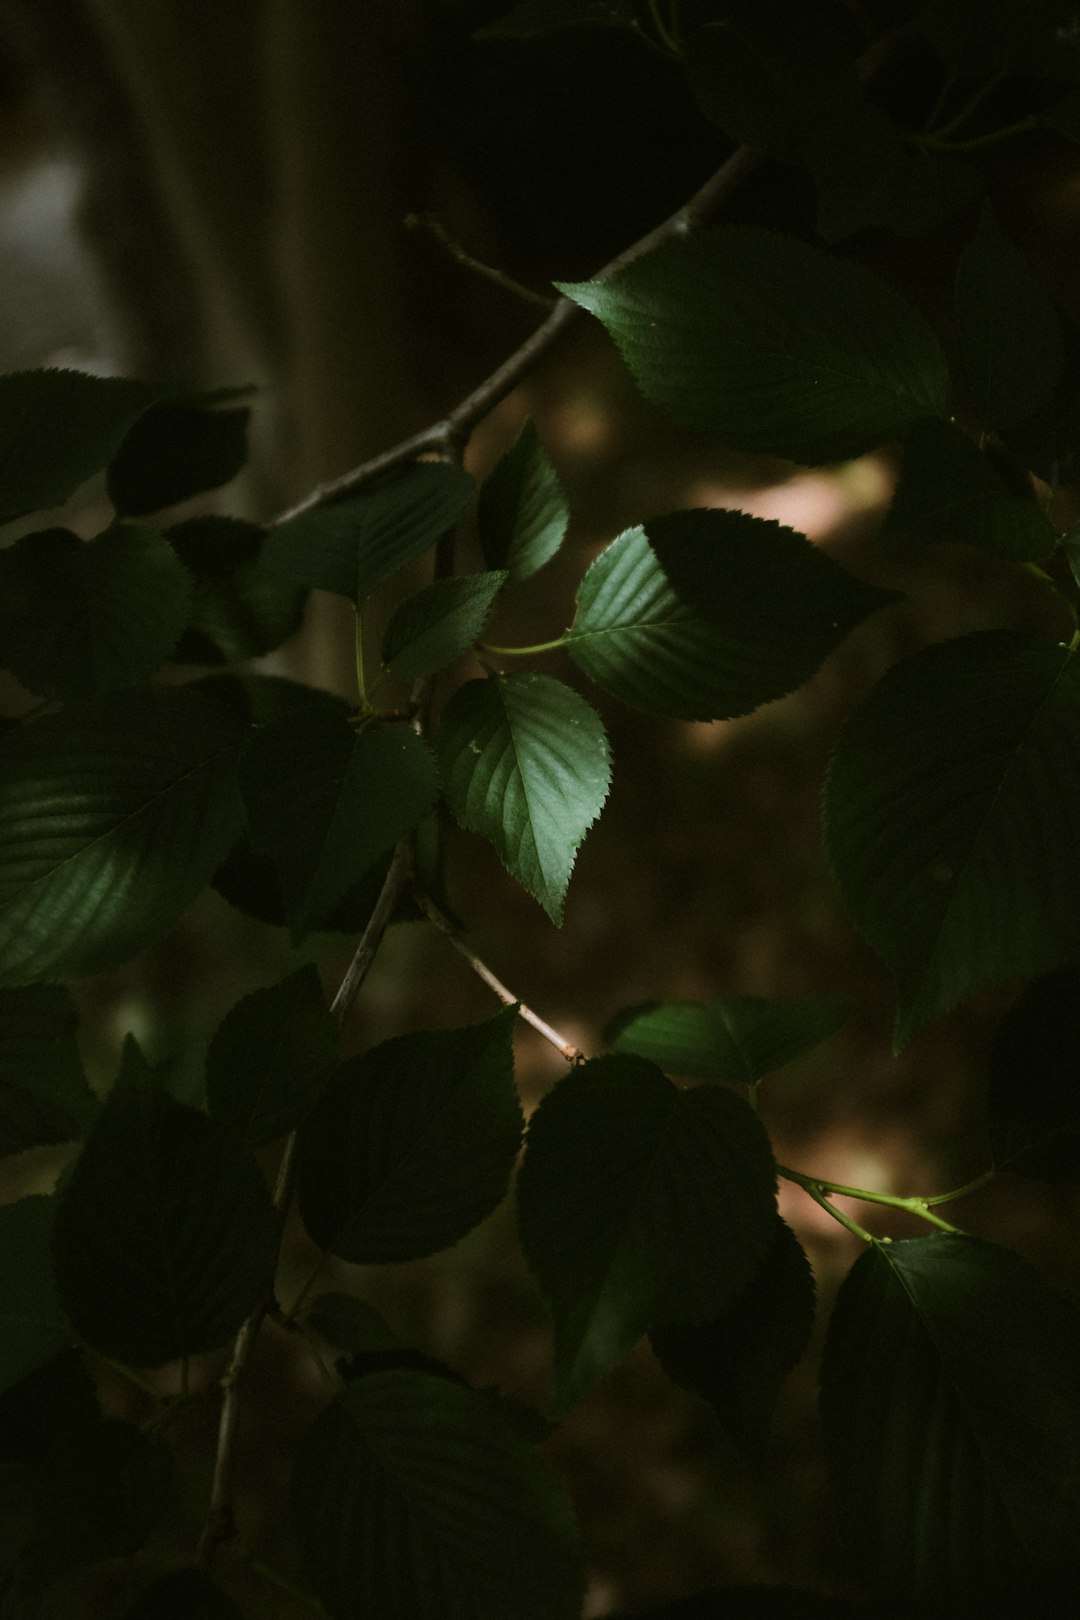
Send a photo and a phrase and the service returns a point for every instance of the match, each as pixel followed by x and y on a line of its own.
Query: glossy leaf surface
pixel 683 617
pixel 113 815
pixel 771 344
pixel 413 1495
pixel 411 1144
pixel 525 762
pixel 639 1205
pixel 950 814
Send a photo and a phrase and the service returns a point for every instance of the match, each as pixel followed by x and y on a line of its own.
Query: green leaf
pixel 79 617
pixel 771 344
pixel 176 450
pixel 325 801
pixel 353 545
pixel 270 1058
pixel 1033 1101
pixel 44 1095
pixel 100 1492
pixel 682 617
pixel 640 1205
pixel 412 1144
pixel 165 1235
pixel 59 428
pixel 738 1360
pixel 952 1427
pixel 525 762
pixel 413 1495
pixel 739 1038
pixel 522 513
pixel 433 628
pixel 351 1324
pixel 950 492
pixel 183 1594
pixel 950 814
pixel 113 815
pixel 32 1324
pixel 1011 347
pixel 240 609
pixel 532 17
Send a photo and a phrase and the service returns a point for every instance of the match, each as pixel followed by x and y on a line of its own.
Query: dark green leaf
pixel 733 1038
pixel 240 609
pixel 950 814
pixel 101 1490
pixel 411 1144
pixel 270 1058
pixel 685 616
pixel 525 762
pixel 1011 346
pixel 640 1205
pixel 738 1360
pixel 353 545
pixel 522 512
pixel 44 1095
pixel 438 624
pixel 113 815
pixel 532 17
pixel 78 617
pixel 165 1235
pixel 351 1324
pixel 771 344
pixel 952 1428
pixel 32 1325
pixel 183 1594
pixel 949 491
pixel 57 428
pixel 325 801
pixel 413 1495
pixel 174 451
pixel 1033 1105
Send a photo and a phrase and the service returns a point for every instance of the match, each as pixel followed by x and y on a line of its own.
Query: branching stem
pixel 566 1049
pixel 462 256
pixel 822 1191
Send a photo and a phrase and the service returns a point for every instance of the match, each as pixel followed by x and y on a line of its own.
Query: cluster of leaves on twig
pixel 645 1205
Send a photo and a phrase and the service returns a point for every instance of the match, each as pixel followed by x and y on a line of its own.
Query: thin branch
pixel 394 886
pixel 566 1049
pixel 462 256
pixel 453 430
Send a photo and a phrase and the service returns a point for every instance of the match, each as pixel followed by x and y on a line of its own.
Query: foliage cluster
pixel 645 1204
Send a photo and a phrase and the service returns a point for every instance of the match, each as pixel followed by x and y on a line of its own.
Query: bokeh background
pixel 216 193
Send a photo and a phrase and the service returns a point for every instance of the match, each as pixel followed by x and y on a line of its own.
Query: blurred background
pixel 217 194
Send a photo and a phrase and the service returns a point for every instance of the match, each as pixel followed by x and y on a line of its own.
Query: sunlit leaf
pixel 522 512
pixel 950 817
pixel 683 617
pixel 639 1205
pixel 414 1495
pixel 525 762
pixel 771 344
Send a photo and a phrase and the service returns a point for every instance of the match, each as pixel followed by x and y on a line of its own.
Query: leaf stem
pixel 567 1049
pixel 523 652
pixel 837 1214
pixel 962 1192
pixel 461 255
pixel 821 1189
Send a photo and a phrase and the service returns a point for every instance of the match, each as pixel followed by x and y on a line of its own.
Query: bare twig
pixel 462 256
pixel 453 430
pixel 567 1049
